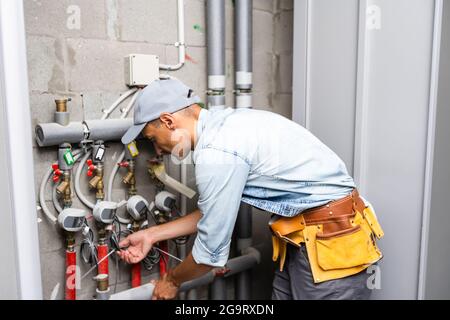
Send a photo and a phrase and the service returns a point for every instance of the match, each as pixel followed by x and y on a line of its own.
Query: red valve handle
pixel 55 178
pixel 55 166
pixel 57 172
pixel 90 173
pixel 89 162
pixel 123 164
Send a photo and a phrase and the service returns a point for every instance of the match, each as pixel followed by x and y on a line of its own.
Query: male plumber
pixel 324 233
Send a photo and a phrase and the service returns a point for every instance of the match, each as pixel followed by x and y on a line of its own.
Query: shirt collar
pixel 201 123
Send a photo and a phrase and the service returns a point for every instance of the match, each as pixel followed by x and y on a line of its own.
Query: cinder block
pixel 263 75
pixel 195 23
pixel 45 66
pixel 283 104
pixel 266 5
pixel 150 21
pixel 263 31
pixel 286 4
pixel 262 100
pixel 194 71
pixel 284 73
pixel 50 236
pixel 53 274
pixel 97 65
pixel 66 18
pixel 283 37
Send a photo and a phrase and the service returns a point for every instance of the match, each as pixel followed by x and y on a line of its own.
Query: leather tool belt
pixel 340 237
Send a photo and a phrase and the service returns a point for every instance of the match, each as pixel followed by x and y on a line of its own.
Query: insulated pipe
pixel 243 44
pixel 102 269
pixel 135 275
pixel 71 264
pixel 243 92
pixel 163 259
pixel 52 134
pixel 107 130
pixel 102 250
pixel 244 241
pixel 215 20
pixel 234 266
pixel 180 43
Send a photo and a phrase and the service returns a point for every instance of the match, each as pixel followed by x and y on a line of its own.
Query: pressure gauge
pixel 165 201
pixel 137 207
pixel 71 219
pixel 105 211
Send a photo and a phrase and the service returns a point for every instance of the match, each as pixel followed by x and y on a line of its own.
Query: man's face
pixel 160 136
pixel 168 136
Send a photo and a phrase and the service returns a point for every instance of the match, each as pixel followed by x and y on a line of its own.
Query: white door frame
pixel 17 143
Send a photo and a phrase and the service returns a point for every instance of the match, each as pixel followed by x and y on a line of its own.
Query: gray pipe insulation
pixel 235 266
pixel 215 20
pixel 243 43
pixel 52 134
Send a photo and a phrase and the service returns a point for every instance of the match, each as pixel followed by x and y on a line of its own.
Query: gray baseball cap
pixel 160 96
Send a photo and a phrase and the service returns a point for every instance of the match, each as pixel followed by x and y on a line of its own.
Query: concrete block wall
pixel 67 58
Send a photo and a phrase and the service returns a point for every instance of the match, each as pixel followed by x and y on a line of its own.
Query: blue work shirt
pixel 263 159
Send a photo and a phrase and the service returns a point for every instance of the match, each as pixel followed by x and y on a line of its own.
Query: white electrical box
pixel 141 69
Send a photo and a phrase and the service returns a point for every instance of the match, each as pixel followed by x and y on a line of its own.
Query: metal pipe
pixel 215 20
pixel 219 289
pixel 244 241
pixel 234 266
pixel 180 43
pixel 243 44
pixel 243 93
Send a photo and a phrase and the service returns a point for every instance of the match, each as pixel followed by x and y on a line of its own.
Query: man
pixel 321 234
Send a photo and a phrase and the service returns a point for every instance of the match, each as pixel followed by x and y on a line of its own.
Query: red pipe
pixel 136 275
pixel 71 264
pixel 164 259
pixel 102 251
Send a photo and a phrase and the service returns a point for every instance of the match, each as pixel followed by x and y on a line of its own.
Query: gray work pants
pixel 296 281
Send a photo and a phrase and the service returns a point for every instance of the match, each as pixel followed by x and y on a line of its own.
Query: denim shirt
pixel 263 159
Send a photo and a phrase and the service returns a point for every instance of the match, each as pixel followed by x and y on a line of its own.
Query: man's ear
pixel 167 120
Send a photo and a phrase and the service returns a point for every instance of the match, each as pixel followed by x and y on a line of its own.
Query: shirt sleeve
pixel 220 177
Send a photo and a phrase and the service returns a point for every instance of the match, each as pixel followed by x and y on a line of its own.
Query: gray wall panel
pixel 438 262
pixel 332 73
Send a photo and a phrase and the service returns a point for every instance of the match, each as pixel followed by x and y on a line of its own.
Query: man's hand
pixel 138 245
pixel 165 288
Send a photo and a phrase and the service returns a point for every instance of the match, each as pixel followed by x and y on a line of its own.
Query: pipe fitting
pixel 61 104
pixel 93 183
pixel 102 282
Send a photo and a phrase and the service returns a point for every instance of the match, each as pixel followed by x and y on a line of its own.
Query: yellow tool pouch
pixel 346 250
